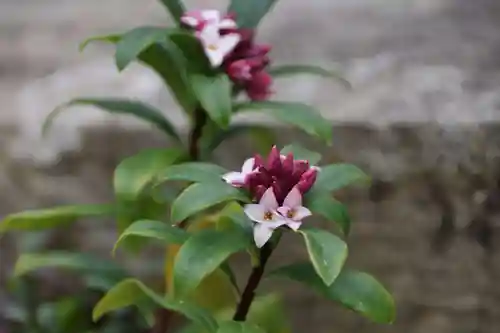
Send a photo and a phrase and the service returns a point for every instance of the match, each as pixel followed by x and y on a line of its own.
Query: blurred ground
pixel 422 118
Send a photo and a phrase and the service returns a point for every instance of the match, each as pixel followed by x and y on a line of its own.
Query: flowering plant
pixel 207 60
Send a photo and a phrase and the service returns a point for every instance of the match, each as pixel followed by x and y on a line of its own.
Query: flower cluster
pixel 277 186
pixel 233 49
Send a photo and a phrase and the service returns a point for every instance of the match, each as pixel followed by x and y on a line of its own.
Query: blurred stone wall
pixel 422 119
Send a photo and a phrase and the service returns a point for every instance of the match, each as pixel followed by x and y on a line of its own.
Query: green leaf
pixel 194 199
pixel 238 327
pixel 250 13
pixel 214 94
pixel 327 253
pixel 300 115
pixel 133 292
pixel 198 172
pixel 192 50
pixel 53 217
pixel 322 203
pixel 175 7
pixel 119 106
pixel 301 153
pixel 154 230
pixel 202 254
pixel 91 267
pixel 336 176
pixel 134 42
pixel 113 39
pixel 291 70
pixel 355 290
pixel 134 173
pixel 167 59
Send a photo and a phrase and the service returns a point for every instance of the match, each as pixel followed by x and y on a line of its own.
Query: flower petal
pixel 283 210
pixel 190 21
pixel 248 165
pixel 301 213
pixel 294 225
pixel 214 56
pixel 255 212
pixel 293 198
pixel 227 24
pixel 211 15
pixel 261 234
pixel 234 178
pixel 227 43
pixel 268 200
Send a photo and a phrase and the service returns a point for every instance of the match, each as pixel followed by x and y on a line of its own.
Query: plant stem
pixel 163 317
pixel 199 121
pixel 253 282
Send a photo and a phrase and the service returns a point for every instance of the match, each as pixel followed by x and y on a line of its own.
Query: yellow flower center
pixel 291 214
pixel 212 47
pixel 268 216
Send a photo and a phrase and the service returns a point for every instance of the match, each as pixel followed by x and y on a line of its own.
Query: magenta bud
pixel 259 192
pixel 299 167
pixel 258 161
pixel 274 160
pixel 240 70
pixel 259 88
pixel 288 164
pixel 307 180
pixel 278 192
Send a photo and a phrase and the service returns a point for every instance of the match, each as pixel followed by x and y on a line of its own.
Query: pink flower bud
pixel 259 88
pixel 240 70
pixel 274 160
pixel 299 167
pixel 288 164
pixel 259 191
pixel 258 161
pixel 278 192
pixel 307 180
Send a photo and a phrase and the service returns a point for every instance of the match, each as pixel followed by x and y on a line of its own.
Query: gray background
pixel 422 119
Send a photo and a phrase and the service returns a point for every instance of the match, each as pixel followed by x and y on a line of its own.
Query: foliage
pixel 208 214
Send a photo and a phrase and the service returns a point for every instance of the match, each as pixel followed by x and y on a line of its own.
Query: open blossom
pixel 277 185
pixel 237 179
pixel 198 19
pixel 234 49
pixel 217 46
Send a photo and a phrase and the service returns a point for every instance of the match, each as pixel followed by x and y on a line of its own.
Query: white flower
pixel 217 47
pixel 238 178
pixel 292 210
pixel 266 217
pixel 198 19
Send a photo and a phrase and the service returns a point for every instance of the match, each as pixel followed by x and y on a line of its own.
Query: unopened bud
pixel 307 180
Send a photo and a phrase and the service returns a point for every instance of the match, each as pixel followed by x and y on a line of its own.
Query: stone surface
pixel 422 119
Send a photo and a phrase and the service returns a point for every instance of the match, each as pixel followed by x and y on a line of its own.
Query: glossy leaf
pixel 113 39
pixel 53 217
pixel 266 312
pixel 133 292
pixel 301 153
pixel 198 172
pixel 213 135
pixel 336 176
pixel 327 253
pixel 250 13
pixel 175 7
pixel 217 290
pixel 292 70
pixel 214 94
pixel 202 254
pixel 354 290
pixel 134 173
pixel 119 106
pixel 134 42
pixel 300 115
pixel 238 327
pixel 322 203
pixel 153 230
pixel 169 62
pixel 192 50
pixel 90 267
pixel 195 199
